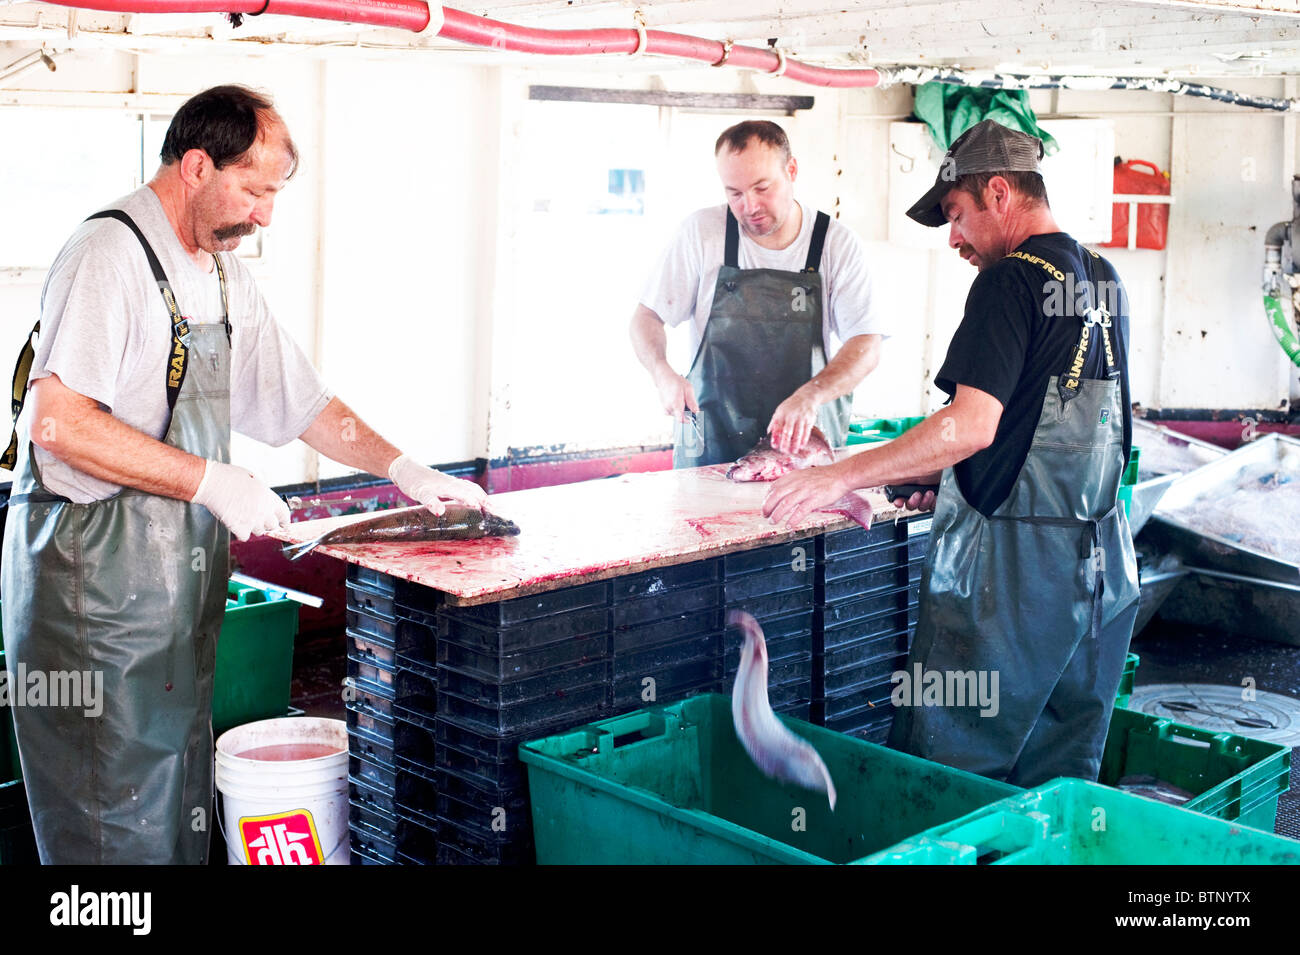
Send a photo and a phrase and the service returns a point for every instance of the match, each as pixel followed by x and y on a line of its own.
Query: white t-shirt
pixel 681 286
pixel 106 332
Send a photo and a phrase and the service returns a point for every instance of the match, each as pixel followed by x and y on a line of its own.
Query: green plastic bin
pixel 254 657
pixel 1072 822
pixel 871 430
pixel 672 785
pixel 1233 777
pixel 1126 680
pixel 1128 479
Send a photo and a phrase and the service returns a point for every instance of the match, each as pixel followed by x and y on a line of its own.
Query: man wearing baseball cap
pixel 1031 580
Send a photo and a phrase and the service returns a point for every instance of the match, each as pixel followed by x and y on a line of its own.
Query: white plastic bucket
pixel 284 811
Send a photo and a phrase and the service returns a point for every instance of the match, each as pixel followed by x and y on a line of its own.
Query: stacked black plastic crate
pixel 666 635
pixel 867 590
pixel 776 585
pixel 509 672
pixel 391 698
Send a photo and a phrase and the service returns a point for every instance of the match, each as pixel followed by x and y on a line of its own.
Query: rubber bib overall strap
pixel 1026 615
pixel 124 598
pixel 762 342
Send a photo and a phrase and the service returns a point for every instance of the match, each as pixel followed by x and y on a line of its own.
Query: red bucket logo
pixel 285 838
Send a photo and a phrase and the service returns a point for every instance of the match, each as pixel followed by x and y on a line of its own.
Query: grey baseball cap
pixel 985 147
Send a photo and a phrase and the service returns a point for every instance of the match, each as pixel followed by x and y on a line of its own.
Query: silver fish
pixel 412 524
pixel 776 751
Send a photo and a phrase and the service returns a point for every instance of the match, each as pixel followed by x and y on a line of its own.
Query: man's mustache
pixel 230 231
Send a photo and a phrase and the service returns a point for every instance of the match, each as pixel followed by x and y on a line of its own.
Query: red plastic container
pixel 1132 178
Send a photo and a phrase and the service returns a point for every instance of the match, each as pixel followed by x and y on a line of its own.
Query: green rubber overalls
pixel 762 342
pixel 1042 593
pixel 133 588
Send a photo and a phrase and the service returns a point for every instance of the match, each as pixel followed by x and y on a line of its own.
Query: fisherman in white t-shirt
pixel 151 347
pixel 770 289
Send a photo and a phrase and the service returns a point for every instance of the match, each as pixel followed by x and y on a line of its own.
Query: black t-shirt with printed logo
pixel 1021 326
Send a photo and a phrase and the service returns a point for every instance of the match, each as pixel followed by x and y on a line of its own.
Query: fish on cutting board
pixel 412 525
pixel 766 463
pixel 776 751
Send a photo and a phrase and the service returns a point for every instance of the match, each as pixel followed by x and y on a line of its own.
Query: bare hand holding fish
pixel 776 751
pixel 412 525
pixel 766 463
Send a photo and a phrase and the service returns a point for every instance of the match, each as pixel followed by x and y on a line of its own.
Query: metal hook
pixel 911 160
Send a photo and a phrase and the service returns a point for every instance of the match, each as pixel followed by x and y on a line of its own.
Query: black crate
pixel 457 846
pixel 469 738
pixel 857 538
pixel 864 722
pixel 369 723
pixel 487 773
pixel 364 700
pixel 844 654
pixel 415 794
pixel 374 773
pixel 374 603
pixel 786 555
pixel 739 590
pixel 865 561
pixel 491 825
pixel 575 705
pixel 417 836
pixel 369 844
pixel 538 606
pixel 799 709
pixel 364 857
pixel 672 629
pixel 372 626
pixel 874 671
pixel 370 649
pixel 894 600
pixel 424 766
pixel 375 580
pixel 522 637
pixel 373 677
pixel 370 818
pixel 542 686
pixel 491 665
pixel 371 748
pixel 776 604
pixel 365 793
pixel 655 583
pixel 868 706
pixel 669 684
pixel 668 605
pixel 875 583
pixel 417 698
pixel 780 696
pixel 883 627
pixel 489 797
pixel 782 651
pixel 663 657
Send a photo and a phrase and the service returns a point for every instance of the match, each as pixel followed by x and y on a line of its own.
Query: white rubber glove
pixel 427 486
pixel 240 501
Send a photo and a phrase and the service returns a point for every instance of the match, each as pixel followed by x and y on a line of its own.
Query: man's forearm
pixel 853 362
pixel 649 340
pixel 75 430
pixel 339 433
pixel 945 438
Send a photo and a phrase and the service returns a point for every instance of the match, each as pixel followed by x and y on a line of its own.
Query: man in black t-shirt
pixel 1030 588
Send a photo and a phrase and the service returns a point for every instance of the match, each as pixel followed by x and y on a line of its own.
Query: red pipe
pixel 415 15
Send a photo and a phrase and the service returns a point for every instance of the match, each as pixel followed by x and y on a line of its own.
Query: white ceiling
pixel 1184 38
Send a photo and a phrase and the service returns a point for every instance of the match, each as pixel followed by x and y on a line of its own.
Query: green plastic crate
pixel 1126 680
pixel 1073 822
pixel 1128 479
pixel 254 657
pixel 871 430
pixel 672 785
pixel 1233 777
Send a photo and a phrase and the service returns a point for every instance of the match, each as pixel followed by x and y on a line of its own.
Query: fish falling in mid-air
pixel 776 751
pixel 765 463
pixel 412 525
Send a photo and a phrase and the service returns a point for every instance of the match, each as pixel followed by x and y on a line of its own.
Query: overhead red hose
pixel 414 15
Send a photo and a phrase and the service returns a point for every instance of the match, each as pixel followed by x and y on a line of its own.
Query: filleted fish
pixel 775 750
